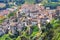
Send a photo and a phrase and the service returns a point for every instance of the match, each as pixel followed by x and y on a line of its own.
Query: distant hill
pixel 54 0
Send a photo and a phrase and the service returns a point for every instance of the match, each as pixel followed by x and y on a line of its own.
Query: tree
pixel 30 1
pixel 20 2
pixel 52 30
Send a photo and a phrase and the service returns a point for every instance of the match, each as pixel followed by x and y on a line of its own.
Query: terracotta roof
pixel 4 12
pixel 32 7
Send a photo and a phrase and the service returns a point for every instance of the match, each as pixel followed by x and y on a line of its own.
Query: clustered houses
pixel 4 12
pixel 36 14
pixel 28 15
pixel 58 12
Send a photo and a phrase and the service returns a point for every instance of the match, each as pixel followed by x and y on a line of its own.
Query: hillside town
pixel 26 15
